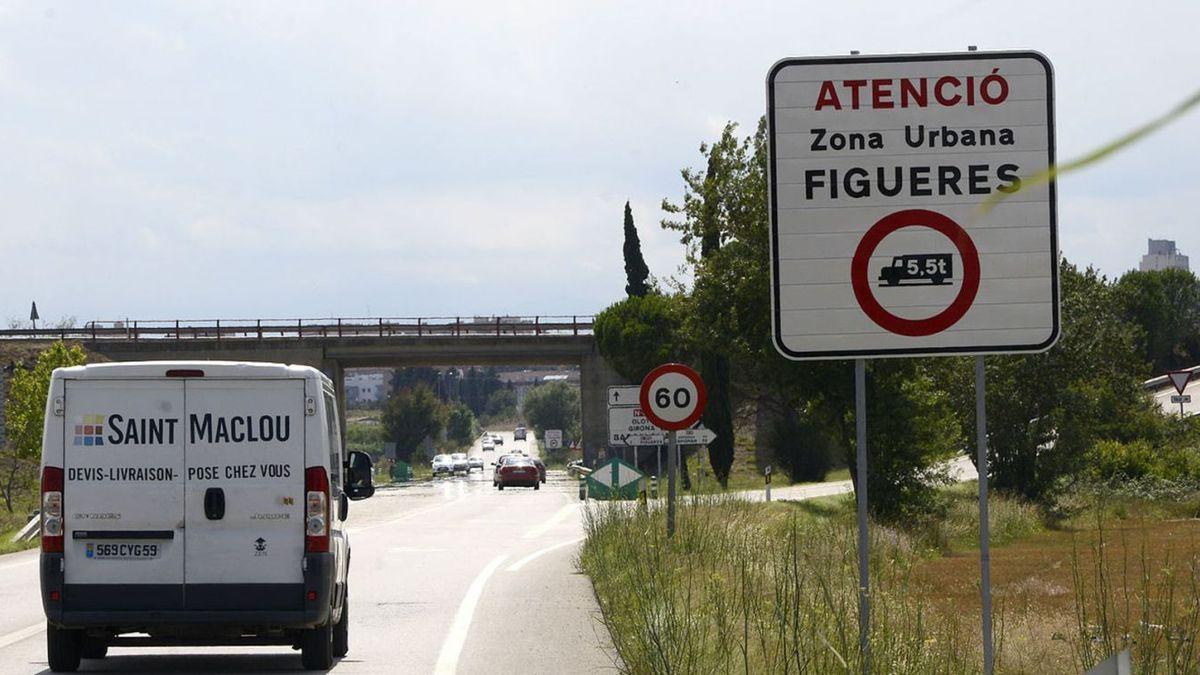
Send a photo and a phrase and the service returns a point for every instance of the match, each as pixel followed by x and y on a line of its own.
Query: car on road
pixel 540 467
pixel 517 472
pixel 229 485
pixel 443 466
pixel 520 433
pixel 487 443
pixel 475 462
pixel 460 463
pixel 497 439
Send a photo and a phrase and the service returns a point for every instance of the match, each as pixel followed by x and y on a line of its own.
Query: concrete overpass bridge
pixel 335 344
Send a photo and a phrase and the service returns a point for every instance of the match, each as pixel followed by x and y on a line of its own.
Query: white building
pixel 366 386
pixel 1163 256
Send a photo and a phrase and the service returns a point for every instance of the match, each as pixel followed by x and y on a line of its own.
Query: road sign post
pixel 1180 378
pixel 767 479
pixel 904 223
pixel 860 496
pixel 672 397
pixel 985 556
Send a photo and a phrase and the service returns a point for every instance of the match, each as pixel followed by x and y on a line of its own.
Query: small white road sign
pixel 629 423
pixel 623 396
pixel 554 439
pixel 693 436
pixel 673 396
pixel 904 220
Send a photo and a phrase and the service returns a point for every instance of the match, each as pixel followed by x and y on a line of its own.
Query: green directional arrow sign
pixel 615 480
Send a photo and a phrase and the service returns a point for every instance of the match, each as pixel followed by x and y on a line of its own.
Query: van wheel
pixel 94 648
pixel 316 648
pixel 341 630
pixel 63 648
pixel 500 485
pixel 537 486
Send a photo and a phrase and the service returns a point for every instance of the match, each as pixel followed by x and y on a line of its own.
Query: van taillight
pixel 52 511
pixel 316 505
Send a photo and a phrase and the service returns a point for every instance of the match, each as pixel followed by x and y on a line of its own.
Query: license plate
pixel 123 551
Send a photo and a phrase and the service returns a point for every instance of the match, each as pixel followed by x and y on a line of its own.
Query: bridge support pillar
pixel 334 371
pixel 595 377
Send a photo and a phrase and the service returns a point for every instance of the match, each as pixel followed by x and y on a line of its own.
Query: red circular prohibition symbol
pixel 648 384
pixel 862 284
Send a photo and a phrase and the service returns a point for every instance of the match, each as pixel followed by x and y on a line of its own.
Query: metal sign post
pixel 860 492
pixel 985 561
pixel 658 451
pixel 671 473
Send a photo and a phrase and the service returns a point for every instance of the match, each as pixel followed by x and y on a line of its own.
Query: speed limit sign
pixel 673 396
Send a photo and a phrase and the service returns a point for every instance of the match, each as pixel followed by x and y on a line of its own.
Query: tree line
pixel 1049 414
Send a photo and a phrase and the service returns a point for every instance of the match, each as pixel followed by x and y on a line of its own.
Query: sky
pixel 286 160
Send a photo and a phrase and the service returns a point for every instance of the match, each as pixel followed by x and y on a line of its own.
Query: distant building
pixel 366 387
pixel 1163 256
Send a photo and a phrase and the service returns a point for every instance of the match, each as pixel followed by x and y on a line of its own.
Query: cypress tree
pixel 636 270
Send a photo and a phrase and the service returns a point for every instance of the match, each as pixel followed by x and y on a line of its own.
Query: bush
pixel 1113 461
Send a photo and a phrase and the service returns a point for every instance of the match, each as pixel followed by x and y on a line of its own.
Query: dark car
pixel 519 472
pixel 540 467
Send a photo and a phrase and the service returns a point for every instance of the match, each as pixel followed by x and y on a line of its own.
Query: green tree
pixel 501 405
pixel 460 424
pixel 636 271
pixel 554 405
pixel 367 437
pixel 719 205
pixel 410 416
pixel 1046 411
pixel 912 428
pixel 639 333
pixel 25 414
pixel 1165 306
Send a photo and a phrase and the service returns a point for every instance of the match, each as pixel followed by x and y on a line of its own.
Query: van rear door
pixel 123 494
pixel 245 494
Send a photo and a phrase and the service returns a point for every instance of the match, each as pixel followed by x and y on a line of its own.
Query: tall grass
pixel 1134 600
pixel 757 588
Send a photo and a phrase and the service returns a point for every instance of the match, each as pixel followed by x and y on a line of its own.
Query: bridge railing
pixel 336 327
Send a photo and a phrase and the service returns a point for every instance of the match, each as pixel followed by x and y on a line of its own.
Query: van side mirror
pixel 358 476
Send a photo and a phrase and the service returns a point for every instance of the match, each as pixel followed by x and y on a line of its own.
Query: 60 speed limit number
pixel 673 397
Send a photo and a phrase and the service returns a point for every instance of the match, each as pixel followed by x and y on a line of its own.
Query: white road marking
pixel 541 552
pixel 447 662
pixel 410 514
pixel 23 634
pixel 552 521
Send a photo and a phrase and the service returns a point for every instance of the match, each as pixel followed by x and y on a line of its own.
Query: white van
pixel 195 503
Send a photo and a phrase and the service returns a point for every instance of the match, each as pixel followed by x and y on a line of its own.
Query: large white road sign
pixel 881 172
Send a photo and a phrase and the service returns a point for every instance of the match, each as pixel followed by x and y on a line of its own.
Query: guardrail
pixel 259 329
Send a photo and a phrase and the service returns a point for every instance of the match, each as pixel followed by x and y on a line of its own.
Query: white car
pixel 475 462
pixel 497 439
pixel 443 465
pixel 193 503
pixel 488 445
pixel 459 460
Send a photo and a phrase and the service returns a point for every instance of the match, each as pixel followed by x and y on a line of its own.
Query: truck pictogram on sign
pixel 918 268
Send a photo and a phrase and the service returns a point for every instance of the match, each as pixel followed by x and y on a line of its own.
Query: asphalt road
pixel 447 576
